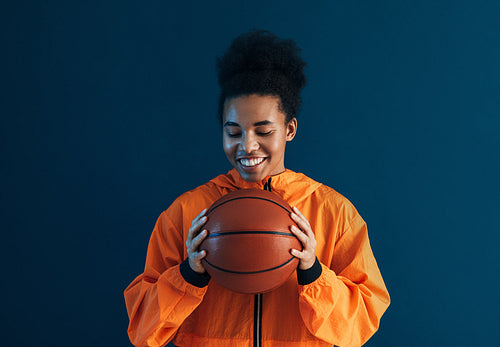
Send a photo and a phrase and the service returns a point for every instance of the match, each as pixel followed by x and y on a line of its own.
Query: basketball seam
pixel 224 233
pixel 246 197
pixel 248 272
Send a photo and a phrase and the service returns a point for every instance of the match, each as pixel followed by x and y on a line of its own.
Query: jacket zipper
pixel 257 307
pixel 257 321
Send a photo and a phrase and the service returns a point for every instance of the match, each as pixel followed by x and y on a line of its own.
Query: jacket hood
pixel 291 186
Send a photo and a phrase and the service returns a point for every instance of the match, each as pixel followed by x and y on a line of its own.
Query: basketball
pixel 249 241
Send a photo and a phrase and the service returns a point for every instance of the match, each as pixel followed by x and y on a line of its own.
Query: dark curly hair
pixel 258 62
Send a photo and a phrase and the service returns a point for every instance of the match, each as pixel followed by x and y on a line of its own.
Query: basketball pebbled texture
pixel 249 241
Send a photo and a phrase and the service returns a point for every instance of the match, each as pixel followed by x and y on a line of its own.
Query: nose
pixel 248 143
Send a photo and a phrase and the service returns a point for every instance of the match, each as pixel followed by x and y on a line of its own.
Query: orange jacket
pixel 342 306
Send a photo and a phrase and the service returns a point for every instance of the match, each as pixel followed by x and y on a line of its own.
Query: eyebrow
pixel 233 124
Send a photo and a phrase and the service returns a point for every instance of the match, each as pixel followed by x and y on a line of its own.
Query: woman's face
pixel 255 135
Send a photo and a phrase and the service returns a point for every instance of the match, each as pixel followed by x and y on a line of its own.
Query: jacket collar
pixel 291 186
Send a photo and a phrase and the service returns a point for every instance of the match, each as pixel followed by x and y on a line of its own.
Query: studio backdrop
pixel 108 113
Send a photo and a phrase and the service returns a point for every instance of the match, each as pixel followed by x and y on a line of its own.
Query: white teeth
pixel 251 162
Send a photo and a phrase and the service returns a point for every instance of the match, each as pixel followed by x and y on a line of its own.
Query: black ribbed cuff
pixel 193 277
pixel 310 275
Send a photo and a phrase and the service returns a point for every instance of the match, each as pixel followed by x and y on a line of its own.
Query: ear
pixel 291 129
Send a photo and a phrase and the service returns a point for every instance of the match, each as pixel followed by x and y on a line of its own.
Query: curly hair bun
pixel 258 62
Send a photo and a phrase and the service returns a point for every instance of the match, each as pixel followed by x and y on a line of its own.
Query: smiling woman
pixel 255 136
pixel 336 295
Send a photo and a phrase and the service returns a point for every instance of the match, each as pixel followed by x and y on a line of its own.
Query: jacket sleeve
pixel 160 299
pixel 343 306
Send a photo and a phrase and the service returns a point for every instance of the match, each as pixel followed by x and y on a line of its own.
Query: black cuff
pixel 193 277
pixel 310 275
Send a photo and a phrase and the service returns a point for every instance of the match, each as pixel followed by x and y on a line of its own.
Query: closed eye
pixel 266 133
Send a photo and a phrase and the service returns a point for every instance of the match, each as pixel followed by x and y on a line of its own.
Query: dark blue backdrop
pixel 108 114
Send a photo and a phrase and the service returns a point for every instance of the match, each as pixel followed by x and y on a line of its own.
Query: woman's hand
pixel 194 240
pixel 307 256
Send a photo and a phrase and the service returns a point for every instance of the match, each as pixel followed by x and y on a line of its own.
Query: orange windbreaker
pixel 342 307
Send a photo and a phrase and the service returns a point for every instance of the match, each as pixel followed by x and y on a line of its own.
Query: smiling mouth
pixel 251 162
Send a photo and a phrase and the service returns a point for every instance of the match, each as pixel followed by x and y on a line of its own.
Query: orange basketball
pixel 249 241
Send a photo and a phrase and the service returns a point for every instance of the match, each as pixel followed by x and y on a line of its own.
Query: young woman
pixel 337 295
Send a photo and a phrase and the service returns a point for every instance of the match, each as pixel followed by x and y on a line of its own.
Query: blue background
pixel 108 113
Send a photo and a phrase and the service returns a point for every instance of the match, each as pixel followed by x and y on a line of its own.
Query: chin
pixel 251 177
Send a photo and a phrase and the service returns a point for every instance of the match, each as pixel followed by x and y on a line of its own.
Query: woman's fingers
pixel 198 256
pixel 198 240
pixel 301 221
pixel 300 235
pixel 194 240
pixel 200 218
pixel 297 254
pixel 306 237
pixel 196 224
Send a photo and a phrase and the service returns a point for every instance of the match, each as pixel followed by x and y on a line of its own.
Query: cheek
pixel 228 146
pixel 276 146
